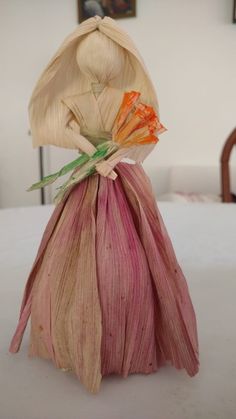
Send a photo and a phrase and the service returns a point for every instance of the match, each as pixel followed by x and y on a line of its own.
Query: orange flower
pixel 136 122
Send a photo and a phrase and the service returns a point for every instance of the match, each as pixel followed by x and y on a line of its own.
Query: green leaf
pixel 47 180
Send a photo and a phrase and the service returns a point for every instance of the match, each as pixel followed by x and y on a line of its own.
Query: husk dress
pixel 106 293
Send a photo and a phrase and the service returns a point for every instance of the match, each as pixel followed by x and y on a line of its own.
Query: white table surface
pixel 204 236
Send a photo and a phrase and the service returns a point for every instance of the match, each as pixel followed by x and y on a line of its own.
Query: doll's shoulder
pixel 75 99
pixel 77 105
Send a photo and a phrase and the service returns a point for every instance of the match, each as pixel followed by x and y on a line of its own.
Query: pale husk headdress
pixel 62 78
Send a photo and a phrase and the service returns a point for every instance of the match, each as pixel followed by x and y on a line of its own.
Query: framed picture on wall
pixel 234 12
pixel 113 8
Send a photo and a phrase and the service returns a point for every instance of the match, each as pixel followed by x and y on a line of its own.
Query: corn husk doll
pixel 105 294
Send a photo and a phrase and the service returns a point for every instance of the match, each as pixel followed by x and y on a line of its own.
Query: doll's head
pixel 97 51
pixel 99 58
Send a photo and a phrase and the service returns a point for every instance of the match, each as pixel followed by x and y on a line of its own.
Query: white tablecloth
pixel 204 237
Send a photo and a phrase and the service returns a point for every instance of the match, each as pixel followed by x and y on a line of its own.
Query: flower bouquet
pixel 135 124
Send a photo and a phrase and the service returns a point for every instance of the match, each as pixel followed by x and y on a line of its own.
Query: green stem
pixel 84 158
pixel 86 170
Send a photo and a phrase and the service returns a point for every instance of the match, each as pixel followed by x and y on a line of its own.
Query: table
pixel 204 237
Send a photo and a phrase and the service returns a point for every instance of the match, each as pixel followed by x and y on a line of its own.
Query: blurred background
pixel 189 48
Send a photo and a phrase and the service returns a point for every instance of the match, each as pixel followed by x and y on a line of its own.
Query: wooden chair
pixel 227 196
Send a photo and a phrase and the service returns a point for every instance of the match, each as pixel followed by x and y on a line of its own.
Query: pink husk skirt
pixel 106 294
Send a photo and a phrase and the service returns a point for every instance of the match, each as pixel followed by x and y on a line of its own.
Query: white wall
pixel 190 50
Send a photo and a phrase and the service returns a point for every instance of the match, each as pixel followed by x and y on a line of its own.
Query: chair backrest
pixel 227 196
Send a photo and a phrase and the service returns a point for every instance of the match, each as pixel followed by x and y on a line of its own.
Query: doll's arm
pixel 84 145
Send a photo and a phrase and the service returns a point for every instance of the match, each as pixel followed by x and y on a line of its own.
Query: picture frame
pixel 234 12
pixel 116 9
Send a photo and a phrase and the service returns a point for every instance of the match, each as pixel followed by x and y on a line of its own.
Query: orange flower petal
pixel 129 99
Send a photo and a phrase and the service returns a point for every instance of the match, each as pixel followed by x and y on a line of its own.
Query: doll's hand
pixel 106 170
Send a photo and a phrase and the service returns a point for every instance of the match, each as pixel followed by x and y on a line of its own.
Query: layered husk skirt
pixel 106 294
